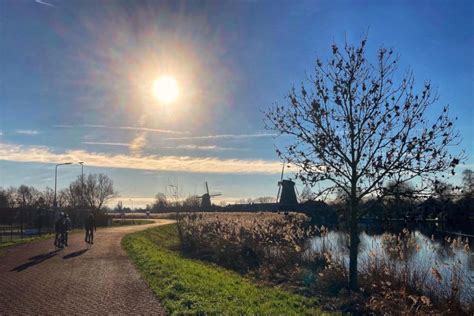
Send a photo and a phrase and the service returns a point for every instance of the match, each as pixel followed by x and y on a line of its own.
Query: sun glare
pixel 165 89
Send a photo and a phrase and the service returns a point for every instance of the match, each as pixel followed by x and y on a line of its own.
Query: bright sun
pixel 165 89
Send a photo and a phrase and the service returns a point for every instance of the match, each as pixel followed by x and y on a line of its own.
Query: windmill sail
pixel 281 179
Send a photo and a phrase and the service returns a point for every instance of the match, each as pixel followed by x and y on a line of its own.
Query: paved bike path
pixel 36 279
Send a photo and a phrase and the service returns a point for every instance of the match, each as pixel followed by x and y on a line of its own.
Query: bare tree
pixel 264 199
pixel 74 194
pixel 93 192
pixel 306 194
pixel 11 193
pixel 48 197
pixel 358 126
pixel 3 198
pixel 192 203
pixel 27 196
pixel 63 198
pixel 161 203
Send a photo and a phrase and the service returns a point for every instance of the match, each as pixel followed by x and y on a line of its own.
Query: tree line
pixel 90 191
pixel 444 202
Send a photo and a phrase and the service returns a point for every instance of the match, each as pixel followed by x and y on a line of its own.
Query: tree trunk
pixel 354 245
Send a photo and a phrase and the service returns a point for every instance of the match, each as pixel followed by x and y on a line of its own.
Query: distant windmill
pixel 206 198
pixel 286 196
pixel 280 182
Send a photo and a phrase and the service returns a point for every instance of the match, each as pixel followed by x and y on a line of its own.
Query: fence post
pixel 11 231
pixel 39 222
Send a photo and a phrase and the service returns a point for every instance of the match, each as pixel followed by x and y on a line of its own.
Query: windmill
pixel 206 198
pixel 286 196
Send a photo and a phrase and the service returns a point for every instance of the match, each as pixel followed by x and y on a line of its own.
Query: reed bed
pixel 279 249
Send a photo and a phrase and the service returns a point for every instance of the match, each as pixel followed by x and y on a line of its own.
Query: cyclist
pixel 58 228
pixel 67 227
pixel 90 227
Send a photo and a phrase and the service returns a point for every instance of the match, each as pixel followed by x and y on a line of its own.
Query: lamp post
pixel 56 181
pixel 82 169
pixel 82 182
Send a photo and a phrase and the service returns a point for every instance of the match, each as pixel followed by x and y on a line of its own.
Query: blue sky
pixel 76 76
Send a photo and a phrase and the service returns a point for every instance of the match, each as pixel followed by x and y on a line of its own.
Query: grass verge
pixel 7 244
pixel 186 286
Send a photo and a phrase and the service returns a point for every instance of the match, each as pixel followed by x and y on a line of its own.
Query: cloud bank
pixel 42 154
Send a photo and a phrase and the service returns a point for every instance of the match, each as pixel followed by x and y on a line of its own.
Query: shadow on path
pixel 34 261
pixel 75 254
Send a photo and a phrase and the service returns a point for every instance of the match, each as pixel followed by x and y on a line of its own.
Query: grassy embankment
pixel 186 286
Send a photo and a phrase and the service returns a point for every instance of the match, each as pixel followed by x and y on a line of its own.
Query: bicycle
pixel 60 242
pixel 89 238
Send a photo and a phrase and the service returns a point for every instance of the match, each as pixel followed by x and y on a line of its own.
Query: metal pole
pixel 55 203
pixel 56 182
pixel 82 183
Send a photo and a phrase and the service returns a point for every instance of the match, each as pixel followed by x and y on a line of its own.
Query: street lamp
pixel 56 181
pixel 82 170
pixel 82 182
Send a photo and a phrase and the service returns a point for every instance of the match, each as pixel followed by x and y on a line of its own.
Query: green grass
pixel 120 222
pixel 16 242
pixel 186 286
pixel 4 245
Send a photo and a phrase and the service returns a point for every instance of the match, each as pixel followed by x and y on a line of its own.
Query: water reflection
pixel 424 259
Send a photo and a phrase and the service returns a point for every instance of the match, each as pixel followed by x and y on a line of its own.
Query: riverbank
pixel 186 286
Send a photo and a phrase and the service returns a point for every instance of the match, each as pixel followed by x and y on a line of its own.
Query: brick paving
pixel 35 279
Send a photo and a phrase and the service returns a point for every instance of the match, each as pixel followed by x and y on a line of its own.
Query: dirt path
pixel 34 279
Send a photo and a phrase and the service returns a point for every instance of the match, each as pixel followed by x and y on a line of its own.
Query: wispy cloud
pixel 63 126
pixel 224 136
pixel 138 143
pixel 26 132
pixel 44 3
pixel 107 144
pixel 14 152
pixel 153 130
pixel 131 128
pixel 209 147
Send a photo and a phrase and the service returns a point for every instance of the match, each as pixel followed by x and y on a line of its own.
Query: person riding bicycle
pixel 58 228
pixel 90 227
pixel 66 228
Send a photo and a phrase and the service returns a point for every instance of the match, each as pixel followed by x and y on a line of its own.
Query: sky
pixel 76 78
